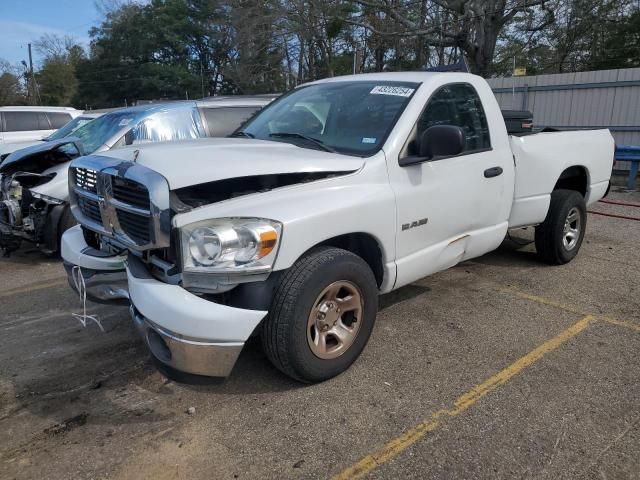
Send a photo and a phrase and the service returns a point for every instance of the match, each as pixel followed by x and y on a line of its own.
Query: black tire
pixel 67 220
pixel 550 234
pixel 284 331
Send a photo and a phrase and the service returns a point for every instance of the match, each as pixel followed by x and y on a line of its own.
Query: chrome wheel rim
pixel 571 231
pixel 335 320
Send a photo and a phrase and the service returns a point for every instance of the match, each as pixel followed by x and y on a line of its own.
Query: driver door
pixel 450 208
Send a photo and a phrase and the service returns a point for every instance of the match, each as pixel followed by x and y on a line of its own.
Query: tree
pixel 57 80
pixel 621 46
pixel 11 89
pixel 471 26
pixel 172 49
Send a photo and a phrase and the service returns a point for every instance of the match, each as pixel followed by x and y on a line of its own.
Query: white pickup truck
pixel 339 191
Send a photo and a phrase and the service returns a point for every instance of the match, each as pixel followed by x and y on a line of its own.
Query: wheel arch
pixel 365 245
pixel 258 295
pixel 575 177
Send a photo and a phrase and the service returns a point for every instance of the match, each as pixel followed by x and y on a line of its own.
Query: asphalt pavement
pixel 501 367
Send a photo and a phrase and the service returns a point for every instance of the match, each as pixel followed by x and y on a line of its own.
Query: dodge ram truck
pixel 341 190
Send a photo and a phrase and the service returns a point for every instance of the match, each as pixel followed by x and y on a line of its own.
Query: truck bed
pixel 540 160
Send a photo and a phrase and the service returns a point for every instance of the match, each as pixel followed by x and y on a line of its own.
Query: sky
pixel 24 21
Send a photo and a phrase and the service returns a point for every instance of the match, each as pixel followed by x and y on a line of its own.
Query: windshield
pixel 95 134
pixel 138 127
pixel 347 117
pixel 69 128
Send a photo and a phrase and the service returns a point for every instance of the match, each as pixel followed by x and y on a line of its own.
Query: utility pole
pixel 202 80
pixel 33 80
pixel 28 80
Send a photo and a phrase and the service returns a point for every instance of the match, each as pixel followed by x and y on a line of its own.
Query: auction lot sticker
pixel 389 90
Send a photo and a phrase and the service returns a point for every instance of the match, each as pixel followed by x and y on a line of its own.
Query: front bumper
pixel 186 355
pixel 184 331
pixel 104 277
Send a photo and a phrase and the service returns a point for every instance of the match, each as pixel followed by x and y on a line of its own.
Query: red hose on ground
pixel 626 204
pixel 615 216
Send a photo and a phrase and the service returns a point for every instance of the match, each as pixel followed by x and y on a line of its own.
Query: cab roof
pixel 414 77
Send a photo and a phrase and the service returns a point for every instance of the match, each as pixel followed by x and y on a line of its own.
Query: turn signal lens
pixel 268 242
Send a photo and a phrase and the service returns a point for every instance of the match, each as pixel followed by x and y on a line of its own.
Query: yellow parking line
pixel 542 300
pixel 31 288
pixel 568 308
pixel 396 446
pixel 620 323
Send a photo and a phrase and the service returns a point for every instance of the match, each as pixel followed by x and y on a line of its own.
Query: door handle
pixel 492 172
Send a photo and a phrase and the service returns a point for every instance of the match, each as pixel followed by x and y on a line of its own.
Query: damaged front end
pixel 25 214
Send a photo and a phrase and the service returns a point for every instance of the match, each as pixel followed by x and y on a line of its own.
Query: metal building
pixel 600 99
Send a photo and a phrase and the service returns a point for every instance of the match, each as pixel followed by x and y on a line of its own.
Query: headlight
pixel 230 245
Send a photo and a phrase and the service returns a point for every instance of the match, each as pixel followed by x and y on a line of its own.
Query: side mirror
pixel 437 141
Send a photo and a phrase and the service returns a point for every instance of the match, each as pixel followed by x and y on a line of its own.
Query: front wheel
pixel 67 221
pixel 559 237
pixel 321 316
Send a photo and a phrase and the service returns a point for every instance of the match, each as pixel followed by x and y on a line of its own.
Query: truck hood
pixel 195 162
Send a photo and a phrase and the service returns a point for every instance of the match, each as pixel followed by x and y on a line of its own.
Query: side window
pixel 459 105
pixel 43 121
pixel 122 141
pixel 21 121
pixel 223 121
pixel 58 120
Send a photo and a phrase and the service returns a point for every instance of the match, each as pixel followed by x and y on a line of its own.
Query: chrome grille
pixel 90 209
pixel 135 226
pixel 122 200
pixel 86 179
pixel 131 193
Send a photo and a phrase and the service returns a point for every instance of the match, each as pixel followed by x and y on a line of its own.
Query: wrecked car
pixel 33 181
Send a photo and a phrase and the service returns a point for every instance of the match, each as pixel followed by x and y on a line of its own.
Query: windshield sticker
pixel 368 140
pixel 389 90
pixel 124 122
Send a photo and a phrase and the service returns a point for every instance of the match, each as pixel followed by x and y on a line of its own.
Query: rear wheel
pixel 322 315
pixel 559 237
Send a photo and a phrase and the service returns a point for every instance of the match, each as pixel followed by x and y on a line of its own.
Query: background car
pixel 24 124
pixel 66 130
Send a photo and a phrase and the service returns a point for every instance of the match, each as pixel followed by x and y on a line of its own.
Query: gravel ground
pixel 79 403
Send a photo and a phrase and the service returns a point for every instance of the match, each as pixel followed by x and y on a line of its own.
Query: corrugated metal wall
pixel 600 99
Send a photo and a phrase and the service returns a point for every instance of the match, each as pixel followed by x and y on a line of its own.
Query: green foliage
pixel 10 90
pixel 621 47
pixel 174 49
pixel 57 82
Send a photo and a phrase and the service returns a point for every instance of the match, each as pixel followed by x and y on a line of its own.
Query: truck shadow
pixel 86 366
pixel 27 256
pixel 56 369
pixel 253 373
pixel 515 250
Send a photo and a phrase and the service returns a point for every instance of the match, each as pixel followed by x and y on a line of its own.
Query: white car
pixel 341 190
pixel 66 130
pixel 34 182
pixel 30 124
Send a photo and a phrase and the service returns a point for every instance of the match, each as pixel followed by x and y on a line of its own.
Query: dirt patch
pixel 67 425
